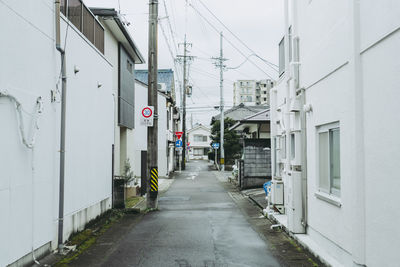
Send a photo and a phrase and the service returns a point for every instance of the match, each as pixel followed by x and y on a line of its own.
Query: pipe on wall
pixel 62 132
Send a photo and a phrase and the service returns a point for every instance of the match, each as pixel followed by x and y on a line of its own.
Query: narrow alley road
pixel 199 223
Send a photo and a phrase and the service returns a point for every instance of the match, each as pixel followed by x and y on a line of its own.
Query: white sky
pixel 258 23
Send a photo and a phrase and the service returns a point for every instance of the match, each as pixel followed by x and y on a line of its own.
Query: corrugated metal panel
pixel 126 90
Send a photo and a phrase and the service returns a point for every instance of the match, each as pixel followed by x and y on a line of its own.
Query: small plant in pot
pixel 127 175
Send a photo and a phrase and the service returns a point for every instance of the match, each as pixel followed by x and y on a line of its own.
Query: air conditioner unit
pixel 162 87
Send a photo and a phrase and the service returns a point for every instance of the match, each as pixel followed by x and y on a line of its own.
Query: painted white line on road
pixel 193 176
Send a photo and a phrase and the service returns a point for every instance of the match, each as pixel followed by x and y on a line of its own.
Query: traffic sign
pixel 215 145
pixel 147 115
pixel 178 143
pixel 179 134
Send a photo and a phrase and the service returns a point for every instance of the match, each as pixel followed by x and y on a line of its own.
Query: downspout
pixel 286 117
pixel 295 64
pixel 62 134
pixel 303 123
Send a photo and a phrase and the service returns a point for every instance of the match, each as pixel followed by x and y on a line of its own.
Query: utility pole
pixel 220 63
pixel 152 132
pixel 185 59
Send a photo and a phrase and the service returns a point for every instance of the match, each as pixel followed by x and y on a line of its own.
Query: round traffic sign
pixel 147 112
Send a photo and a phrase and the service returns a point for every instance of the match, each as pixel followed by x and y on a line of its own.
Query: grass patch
pixel 85 239
pixel 314 264
pixel 298 248
pixel 132 201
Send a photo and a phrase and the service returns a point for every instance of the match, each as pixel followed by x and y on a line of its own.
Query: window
pixel 200 138
pixel 282 52
pixel 292 146
pixel 249 99
pixel 329 159
pixel 283 146
pixel 282 56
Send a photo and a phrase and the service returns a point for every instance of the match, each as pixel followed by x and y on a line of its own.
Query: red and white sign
pixel 147 112
pixel 147 116
pixel 179 134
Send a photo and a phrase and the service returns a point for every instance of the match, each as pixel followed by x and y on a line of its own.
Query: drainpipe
pixel 303 123
pixel 62 135
pixel 286 117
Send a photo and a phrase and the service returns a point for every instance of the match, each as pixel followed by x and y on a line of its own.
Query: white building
pixel 265 86
pixel 123 54
pixel 251 92
pixel 244 91
pixel 168 118
pixel 30 121
pixel 335 124
pixel 199 139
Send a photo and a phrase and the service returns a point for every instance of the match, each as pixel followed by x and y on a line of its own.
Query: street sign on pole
pixel 178 143
pixel 147 116
pixel 215 145
pixel 179 135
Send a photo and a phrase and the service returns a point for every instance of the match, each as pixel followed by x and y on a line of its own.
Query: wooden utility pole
pixel 185 59
pixel 152 132
pixel 220 64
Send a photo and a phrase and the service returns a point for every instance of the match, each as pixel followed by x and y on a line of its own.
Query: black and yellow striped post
pixel 153 182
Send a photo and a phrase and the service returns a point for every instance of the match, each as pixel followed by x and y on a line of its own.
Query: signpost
pixel 179 134
pixel 147 116
pixel 178 143
pixel 216 146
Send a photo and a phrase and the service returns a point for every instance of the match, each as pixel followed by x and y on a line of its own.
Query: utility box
pixel 277 197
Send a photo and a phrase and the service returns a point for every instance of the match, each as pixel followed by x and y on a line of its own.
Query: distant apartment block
pixel 251 92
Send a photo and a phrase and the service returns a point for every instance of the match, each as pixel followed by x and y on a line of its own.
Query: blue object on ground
pixel 267 187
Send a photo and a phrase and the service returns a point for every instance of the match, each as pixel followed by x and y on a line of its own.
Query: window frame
pixel 328 188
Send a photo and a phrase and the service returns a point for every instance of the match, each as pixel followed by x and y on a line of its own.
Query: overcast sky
pixel 258 23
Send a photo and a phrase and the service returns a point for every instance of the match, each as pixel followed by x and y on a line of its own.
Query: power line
pixel 235 47
pixel 234 35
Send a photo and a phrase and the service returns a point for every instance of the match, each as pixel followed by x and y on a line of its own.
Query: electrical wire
pixel 229 41
pixel 234 35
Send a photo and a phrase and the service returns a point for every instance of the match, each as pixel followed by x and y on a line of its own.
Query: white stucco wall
pixel 381 79
pixel 111 53
pixel 140 131
pixel 162 137
pixel 27 195
pixel 90 111
pixel 29 179
pixel 328 55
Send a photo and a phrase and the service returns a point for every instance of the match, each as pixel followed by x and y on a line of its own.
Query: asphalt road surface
pixel 198 224
pixel 202 222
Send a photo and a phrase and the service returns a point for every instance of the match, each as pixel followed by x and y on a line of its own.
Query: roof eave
pixel 112 13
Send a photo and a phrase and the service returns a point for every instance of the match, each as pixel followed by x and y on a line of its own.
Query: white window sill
pixel 329 198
